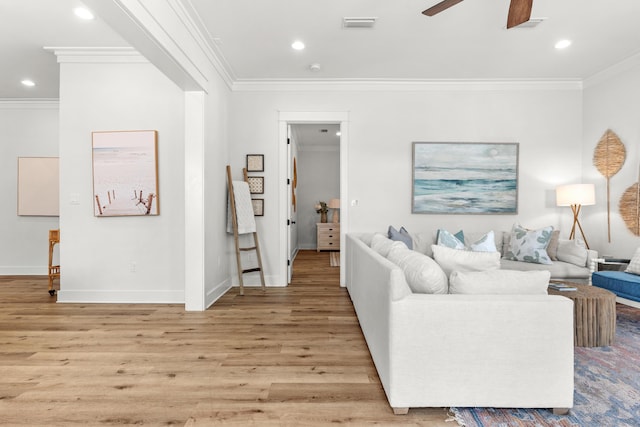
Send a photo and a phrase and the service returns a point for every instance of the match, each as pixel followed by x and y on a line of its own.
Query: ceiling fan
pixel 519 10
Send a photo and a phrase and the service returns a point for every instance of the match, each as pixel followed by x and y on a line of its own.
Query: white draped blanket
pixel 244 209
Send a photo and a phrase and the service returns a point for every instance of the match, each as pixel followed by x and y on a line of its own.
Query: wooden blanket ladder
pixel 236 237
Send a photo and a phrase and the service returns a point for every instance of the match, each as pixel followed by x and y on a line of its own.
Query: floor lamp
pixel 576 196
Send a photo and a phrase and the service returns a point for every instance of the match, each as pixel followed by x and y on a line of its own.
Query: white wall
pixel 319 179
pixel 612 101
pixel 97 253
pixel 545 120
pixel 27 129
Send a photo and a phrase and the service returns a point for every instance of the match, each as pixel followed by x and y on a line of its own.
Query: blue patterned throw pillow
pixel 453 241
pixel 529 245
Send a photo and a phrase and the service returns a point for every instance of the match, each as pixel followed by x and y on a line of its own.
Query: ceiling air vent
pixel 532 23
pixel 364 22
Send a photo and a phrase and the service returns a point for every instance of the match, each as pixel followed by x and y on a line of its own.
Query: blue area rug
pixel 607 387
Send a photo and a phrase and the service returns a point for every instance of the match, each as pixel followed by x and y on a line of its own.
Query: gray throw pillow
pixel 401 236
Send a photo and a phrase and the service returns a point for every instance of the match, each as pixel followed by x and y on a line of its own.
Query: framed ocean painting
pixel 465 178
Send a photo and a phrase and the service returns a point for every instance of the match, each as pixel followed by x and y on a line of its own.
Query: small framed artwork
pixel 255 162
pixel 258 207
pixel 256 184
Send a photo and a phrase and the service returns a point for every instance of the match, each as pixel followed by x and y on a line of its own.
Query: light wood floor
pixel 292 356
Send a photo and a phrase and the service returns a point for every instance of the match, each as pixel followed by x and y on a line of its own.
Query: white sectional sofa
pixel 448 350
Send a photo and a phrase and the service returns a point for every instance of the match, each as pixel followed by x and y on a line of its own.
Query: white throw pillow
pixel 486 243
pixel 382 244
pixel 423 275
pixel 634 264
pixel 572 251
pixel 529 245
pixel 505 282
pixel 457 260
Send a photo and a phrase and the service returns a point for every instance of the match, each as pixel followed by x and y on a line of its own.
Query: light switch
pixel 74 198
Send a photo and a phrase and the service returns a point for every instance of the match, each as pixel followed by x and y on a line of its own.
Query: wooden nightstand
pixel 328 236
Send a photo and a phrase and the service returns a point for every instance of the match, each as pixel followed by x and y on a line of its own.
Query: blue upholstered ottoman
pixel 624 285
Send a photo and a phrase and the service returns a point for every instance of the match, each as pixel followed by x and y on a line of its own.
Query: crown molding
pixel 403 85
pixel 613 71
pixel 29 103
pixel 97 54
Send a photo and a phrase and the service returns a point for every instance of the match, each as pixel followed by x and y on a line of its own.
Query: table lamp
pixel 576 196
pixel 335 205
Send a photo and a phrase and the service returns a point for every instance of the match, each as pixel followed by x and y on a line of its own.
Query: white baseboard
pixel 216 292
pixel 35 270
pixel 121 297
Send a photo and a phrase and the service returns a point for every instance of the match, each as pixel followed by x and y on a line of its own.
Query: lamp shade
pixel 576 194
pixel 334 204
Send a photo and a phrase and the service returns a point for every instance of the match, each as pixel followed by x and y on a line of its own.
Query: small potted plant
pixel 322 209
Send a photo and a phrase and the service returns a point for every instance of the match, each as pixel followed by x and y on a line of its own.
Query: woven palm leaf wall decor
pixel 608 158
pixel 630 208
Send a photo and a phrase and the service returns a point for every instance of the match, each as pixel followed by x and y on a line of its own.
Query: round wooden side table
pixel 594 314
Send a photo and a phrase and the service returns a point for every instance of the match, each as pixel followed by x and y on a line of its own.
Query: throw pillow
pixel 422 273
pixel 529 245
pixel 453 241
pixel 456 260
pixel 401 236
pixel 573 252
pixel 552 249
pixel 634 264
pixel 486 243
pixel 381 244
pixel 505 282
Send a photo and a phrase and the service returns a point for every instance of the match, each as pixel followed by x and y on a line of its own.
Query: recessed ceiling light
pixel 338 133
pixel 297 45
pixel 83 13
pixel 28 82
pixel 563 44
pixel 314 67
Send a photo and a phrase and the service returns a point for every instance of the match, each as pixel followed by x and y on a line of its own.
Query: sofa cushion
pixel 499 282
pixel 422 273
pixel 634 264
pixel 457 260
pixel 621 283
pixel 572 251
pixel 558 270
pixel 382 244
pixel 529 245
pixel 401 236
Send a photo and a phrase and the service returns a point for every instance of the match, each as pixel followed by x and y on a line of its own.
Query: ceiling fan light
pixel 562 44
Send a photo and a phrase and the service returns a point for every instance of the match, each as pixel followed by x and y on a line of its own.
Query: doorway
pixel 320 120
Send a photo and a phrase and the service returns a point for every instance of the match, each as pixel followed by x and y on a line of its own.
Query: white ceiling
pixel 253 38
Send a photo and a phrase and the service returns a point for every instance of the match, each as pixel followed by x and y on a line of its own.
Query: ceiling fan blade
pixel 519 12
pixel 443 5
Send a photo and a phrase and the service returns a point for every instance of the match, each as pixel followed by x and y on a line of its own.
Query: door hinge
pixel 288 262
pixel 288 222
pixel 288 181
pixel 288 141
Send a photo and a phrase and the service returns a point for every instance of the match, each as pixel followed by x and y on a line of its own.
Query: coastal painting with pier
pixel 465 178
pixel 125 173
